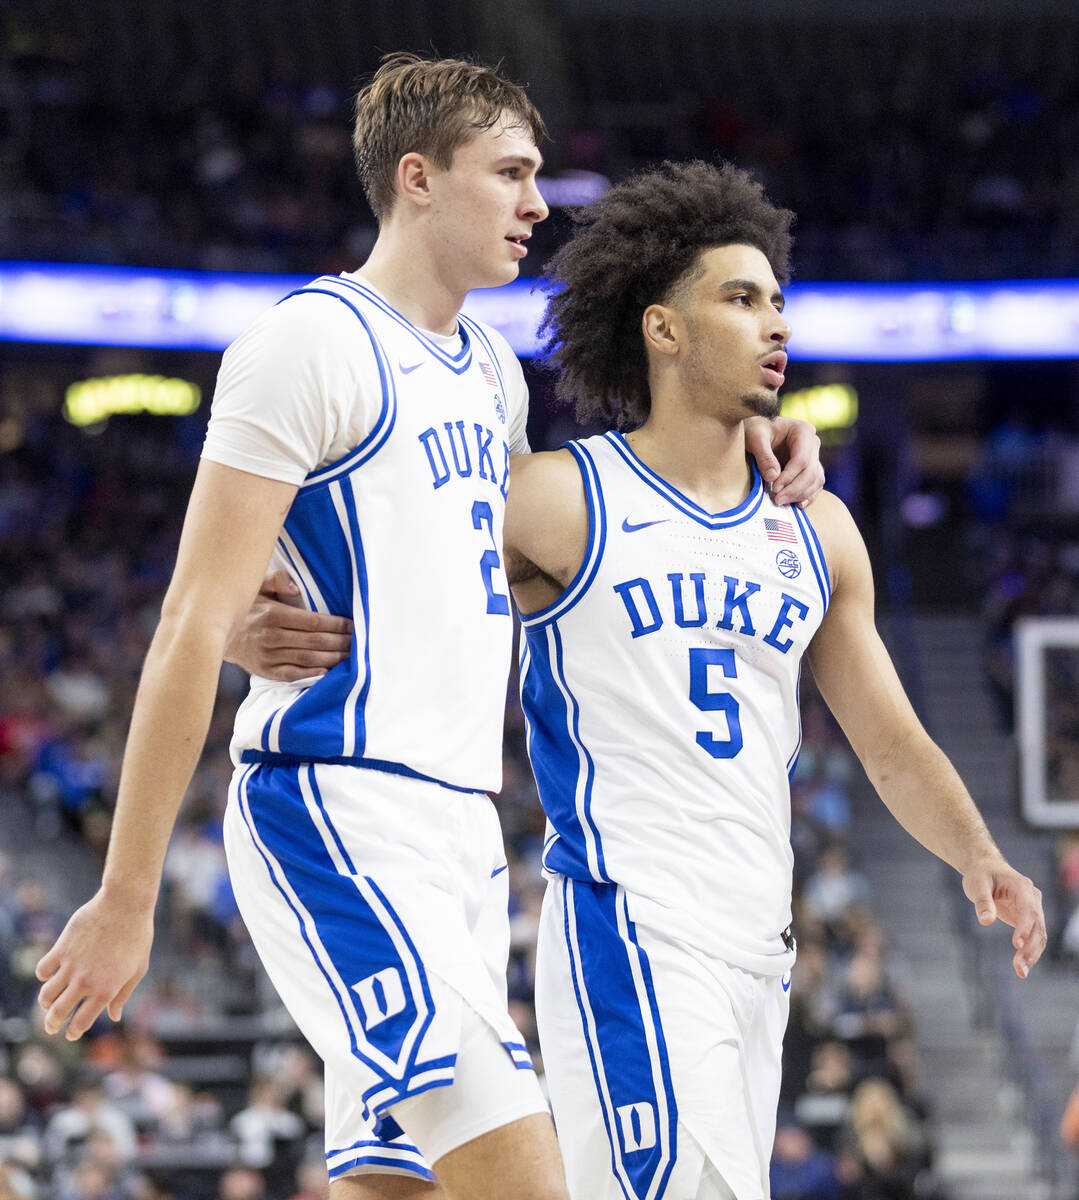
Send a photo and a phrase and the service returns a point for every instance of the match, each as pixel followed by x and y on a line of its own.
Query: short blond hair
pixel 431 107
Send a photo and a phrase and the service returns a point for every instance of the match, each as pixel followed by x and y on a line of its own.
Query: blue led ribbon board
pixel 832 322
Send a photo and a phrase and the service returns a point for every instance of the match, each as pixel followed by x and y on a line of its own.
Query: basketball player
pixel 667 603
pixel 360 436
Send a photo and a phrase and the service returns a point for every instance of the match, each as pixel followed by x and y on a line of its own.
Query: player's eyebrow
pixel 755 289
pixel 522 160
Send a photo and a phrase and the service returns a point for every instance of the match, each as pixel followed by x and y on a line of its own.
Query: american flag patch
pixel 488 374
pixel 780 531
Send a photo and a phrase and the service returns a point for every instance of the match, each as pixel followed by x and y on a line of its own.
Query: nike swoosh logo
pixel 408 370
pixel 628 528
pixel 786 983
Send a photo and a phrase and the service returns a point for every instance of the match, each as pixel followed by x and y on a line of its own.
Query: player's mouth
pixel 773 367
pixel 517 241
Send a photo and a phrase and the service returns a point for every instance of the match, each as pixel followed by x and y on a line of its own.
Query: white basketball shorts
pixel 663 1067
pixel 378 906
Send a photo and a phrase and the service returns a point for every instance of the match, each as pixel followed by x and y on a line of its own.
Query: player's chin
pixel 762 402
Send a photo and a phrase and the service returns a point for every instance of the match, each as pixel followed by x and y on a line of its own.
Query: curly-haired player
pixel 667 604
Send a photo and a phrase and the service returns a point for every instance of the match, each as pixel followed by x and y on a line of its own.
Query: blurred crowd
pixel 143 135
pixel 86 544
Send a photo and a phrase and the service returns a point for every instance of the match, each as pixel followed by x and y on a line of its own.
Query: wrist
pixel 138 897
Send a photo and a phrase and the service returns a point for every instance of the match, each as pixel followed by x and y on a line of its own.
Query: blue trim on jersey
pixel 297 575
pixel 407 1158
pixel 564 769
pixel 438 1072
pixel 268 759
pixel 356 540
pixel 355 940
pixel 458 363
pixel 624 1034
pixel 723 520
pixel 593 554
pixel 481 333
pixel 816 556
pixel 326 539
pixel 387 417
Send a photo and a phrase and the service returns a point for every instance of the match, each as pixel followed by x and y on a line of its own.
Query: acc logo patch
pixel 789 564
pixel 500 408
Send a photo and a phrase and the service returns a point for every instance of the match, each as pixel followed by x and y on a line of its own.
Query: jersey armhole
pixel 816 556
pixel 593 553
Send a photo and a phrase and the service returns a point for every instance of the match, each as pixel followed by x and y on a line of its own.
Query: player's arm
pixel 232 521
pixel 787 453
pixel 910 772
pixel 546 530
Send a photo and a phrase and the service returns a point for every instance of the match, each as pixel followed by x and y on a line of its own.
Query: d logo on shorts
pixel 381 996
pixel 638 1127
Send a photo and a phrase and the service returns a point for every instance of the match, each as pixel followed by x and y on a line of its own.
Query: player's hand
pixel 281 640
pixel 788 457
pixel 96 963
pixel 1001 892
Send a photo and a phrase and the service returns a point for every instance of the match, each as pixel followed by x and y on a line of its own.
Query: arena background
pixel 934 144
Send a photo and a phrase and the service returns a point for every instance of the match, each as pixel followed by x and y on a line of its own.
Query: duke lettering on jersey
pixel 470 454
pixel 661 694
pixel 645 615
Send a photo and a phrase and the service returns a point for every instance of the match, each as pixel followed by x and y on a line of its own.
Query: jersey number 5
pixel 700 659
pixel 489 559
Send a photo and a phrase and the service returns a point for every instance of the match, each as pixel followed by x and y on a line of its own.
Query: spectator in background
pixel 886 1145
pixel 89 1112
pixel 241 1183
pixel 823 1107
pixel 834 887
pixel 312 1182
pixel 800 1170
pixel 269 1136
pixel 20 1129
pixel 869 1013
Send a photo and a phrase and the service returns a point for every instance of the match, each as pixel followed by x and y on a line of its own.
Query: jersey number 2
pixel 700 659
pixel 489 560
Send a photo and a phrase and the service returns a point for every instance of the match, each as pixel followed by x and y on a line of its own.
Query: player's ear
pixel 414 179
pixel 660 327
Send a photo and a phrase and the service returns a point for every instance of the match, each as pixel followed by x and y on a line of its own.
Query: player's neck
pixel 704 459
pixel 406 277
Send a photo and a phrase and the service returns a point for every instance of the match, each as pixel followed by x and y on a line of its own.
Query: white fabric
pixel 437 861
pixel 403 534
pixel 723 1029
pixel 661 692
pixel 300 387
pixel 488 1091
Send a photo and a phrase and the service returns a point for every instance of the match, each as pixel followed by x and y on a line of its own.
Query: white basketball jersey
pixel 404 535
pixel 661 694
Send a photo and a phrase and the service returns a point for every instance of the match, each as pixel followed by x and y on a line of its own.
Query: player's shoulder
pixel 837 531
pixel 547 483
pixel 310 314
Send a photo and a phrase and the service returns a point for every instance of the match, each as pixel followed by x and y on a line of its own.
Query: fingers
pixel 1030 937
pixel 800 488
pixel 116 1005
pixel 278 582
pixel 299 640
pixel 287 617
pixel 758 435
pixel 72 1005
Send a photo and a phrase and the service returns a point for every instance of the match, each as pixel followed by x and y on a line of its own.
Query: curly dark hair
pixel 633 247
